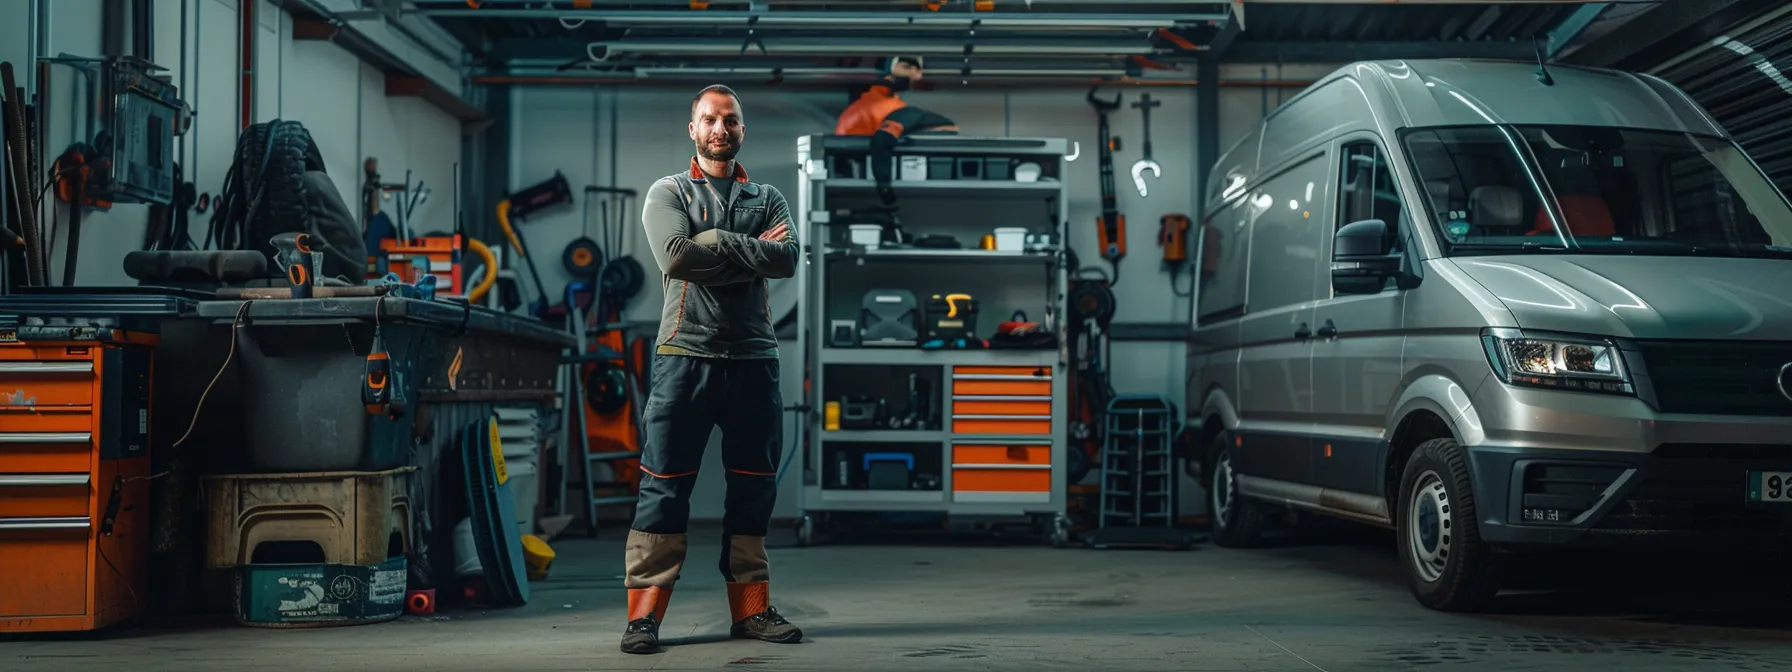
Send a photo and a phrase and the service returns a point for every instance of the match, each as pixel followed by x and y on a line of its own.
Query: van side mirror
pixel 1362 258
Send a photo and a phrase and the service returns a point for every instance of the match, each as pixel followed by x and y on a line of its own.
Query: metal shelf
pixel 820 193
pixel 940 255
pixel 886 435
pixel 948 188
pixel 920 357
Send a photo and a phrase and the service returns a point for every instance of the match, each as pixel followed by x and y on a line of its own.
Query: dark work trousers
pixel 690 397
pixel 905 120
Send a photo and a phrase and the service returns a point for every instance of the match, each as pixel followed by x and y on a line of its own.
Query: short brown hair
pixel 713 88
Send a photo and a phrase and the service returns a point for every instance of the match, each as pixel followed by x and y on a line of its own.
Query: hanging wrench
pixel 1139 167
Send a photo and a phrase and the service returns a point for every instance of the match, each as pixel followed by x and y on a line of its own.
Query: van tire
pixel 1436 512
pixel 1234 521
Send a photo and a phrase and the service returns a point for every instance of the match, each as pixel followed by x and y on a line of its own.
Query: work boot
pixel 755 617
pixel 642 636
pixel 767 626
pixel 646 610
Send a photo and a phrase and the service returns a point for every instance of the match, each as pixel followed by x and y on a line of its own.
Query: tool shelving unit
pixel 997 449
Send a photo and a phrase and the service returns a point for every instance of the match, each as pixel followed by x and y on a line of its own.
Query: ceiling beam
pixel 1572 26
pixel 1666 31
pixel 1245 51
pixel 823 19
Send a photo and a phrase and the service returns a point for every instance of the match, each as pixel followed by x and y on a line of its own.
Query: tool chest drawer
pixel 46 441
pixel 44 567
pixel 1029 381
pixel 1001 472
pixel 45 496
pixel 1019 425
pixel 31 383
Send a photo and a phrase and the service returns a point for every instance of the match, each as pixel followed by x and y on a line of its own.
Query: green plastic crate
pixel 317 595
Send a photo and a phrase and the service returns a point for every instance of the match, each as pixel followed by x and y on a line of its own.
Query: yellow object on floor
pixel 537 557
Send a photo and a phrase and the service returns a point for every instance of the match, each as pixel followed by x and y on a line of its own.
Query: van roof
pixel 1388 96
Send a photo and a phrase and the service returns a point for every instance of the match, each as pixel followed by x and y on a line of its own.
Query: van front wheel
pixel 1236 522
pixel 1447 565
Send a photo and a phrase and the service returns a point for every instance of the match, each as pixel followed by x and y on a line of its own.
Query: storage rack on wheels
pixel 995 451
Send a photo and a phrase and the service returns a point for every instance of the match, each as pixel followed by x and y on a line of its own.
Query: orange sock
pixel 747 599
pixel 651 601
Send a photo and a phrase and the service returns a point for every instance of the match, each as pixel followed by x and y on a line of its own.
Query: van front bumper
pixel 1680 494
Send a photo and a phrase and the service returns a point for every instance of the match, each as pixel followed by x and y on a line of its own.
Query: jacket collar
pixel 740 172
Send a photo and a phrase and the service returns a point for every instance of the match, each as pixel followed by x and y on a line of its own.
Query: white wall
pixel 568 129
pixel 343 103
pixel 205 62
pixel 340 100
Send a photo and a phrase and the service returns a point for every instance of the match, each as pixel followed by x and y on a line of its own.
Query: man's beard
pixel 713 153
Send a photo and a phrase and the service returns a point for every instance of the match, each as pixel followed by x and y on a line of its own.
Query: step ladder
pixel 573 389
pixel 1139 476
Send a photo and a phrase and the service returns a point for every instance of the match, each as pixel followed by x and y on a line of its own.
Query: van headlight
pixel 1557 362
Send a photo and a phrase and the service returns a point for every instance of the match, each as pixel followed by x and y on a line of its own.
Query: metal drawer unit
pixel 74 479
pixel 995 449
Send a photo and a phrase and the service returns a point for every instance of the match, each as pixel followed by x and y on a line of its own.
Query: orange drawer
pixel 43 567
pixel 975 406
pixel 1001 424
pixel 53 441
pixel 1001 480
pixel 1018 388
pixel 983 454
pixel 1023 381
pixel 15 352
pixel 44 495
pixel 38 383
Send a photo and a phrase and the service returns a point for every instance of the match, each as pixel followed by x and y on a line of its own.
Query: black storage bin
pixel 942 168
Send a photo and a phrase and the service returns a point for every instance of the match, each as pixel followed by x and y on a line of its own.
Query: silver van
pixel 1495 309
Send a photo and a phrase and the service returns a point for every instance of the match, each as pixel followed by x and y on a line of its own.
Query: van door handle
pixel 1303 333
pixel 1328 330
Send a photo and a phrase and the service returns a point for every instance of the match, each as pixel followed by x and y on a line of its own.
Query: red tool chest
pixel 74 477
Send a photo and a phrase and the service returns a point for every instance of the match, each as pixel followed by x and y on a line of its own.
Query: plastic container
pixel 302 398
pixel 1011 239
pixel 342 518
pixel 319 595
pixel 466 555
pixel 869 235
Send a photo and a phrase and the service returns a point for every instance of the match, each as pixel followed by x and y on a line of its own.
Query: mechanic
pixel 881 114
pixel 717 237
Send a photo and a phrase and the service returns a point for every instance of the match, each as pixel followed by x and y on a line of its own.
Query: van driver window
pixel 1367 190
pixel 1585 189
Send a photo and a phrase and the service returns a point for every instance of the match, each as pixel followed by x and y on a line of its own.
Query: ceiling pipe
pixel 866 47
pixel 973 81
pixel 814 18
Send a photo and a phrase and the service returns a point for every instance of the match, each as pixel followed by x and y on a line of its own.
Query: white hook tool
pixel 1139 167
pixel 1076 150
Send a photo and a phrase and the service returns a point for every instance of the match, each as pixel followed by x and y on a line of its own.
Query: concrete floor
pixel 908 604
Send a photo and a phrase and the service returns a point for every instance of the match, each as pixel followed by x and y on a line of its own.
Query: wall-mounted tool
pixel 1112 234
pixel 1172 235
pixel 1143 164
pixel 380 392
pixel 582 257
pixel 552 192
pixel 292 253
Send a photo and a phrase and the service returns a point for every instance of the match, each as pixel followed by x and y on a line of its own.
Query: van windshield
pixel 1596 190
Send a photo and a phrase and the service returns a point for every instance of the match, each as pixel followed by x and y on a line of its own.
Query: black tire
pixel 1451 568
pixel 1235 522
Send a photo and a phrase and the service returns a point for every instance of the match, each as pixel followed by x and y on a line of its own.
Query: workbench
pixel 299 360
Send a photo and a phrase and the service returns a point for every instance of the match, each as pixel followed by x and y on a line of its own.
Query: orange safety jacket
pixel 865 115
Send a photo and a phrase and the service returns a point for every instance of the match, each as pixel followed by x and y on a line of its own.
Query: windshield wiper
pixel 1506 247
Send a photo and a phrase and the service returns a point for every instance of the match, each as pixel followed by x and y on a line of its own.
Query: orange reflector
pixel 1238 441
pixel 1328 450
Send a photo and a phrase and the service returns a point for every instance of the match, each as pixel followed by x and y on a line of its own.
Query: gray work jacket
pixel 713 264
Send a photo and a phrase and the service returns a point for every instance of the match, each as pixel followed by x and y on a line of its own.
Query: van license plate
pixel 1770 486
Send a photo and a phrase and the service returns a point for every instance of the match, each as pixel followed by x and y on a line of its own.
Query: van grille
pixel 1719 378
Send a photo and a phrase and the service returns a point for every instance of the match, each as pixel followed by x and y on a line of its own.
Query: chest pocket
pixel 749 218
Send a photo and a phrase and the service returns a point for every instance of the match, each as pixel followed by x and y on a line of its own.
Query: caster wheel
pixel 805 531
pixel 1061 531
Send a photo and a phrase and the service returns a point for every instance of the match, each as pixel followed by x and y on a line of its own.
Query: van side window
pixel 1366 189
pixel 1223 239
pixel 1288 236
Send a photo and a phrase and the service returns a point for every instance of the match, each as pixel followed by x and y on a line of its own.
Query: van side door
pixel 1276 334
pixel 1358 337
